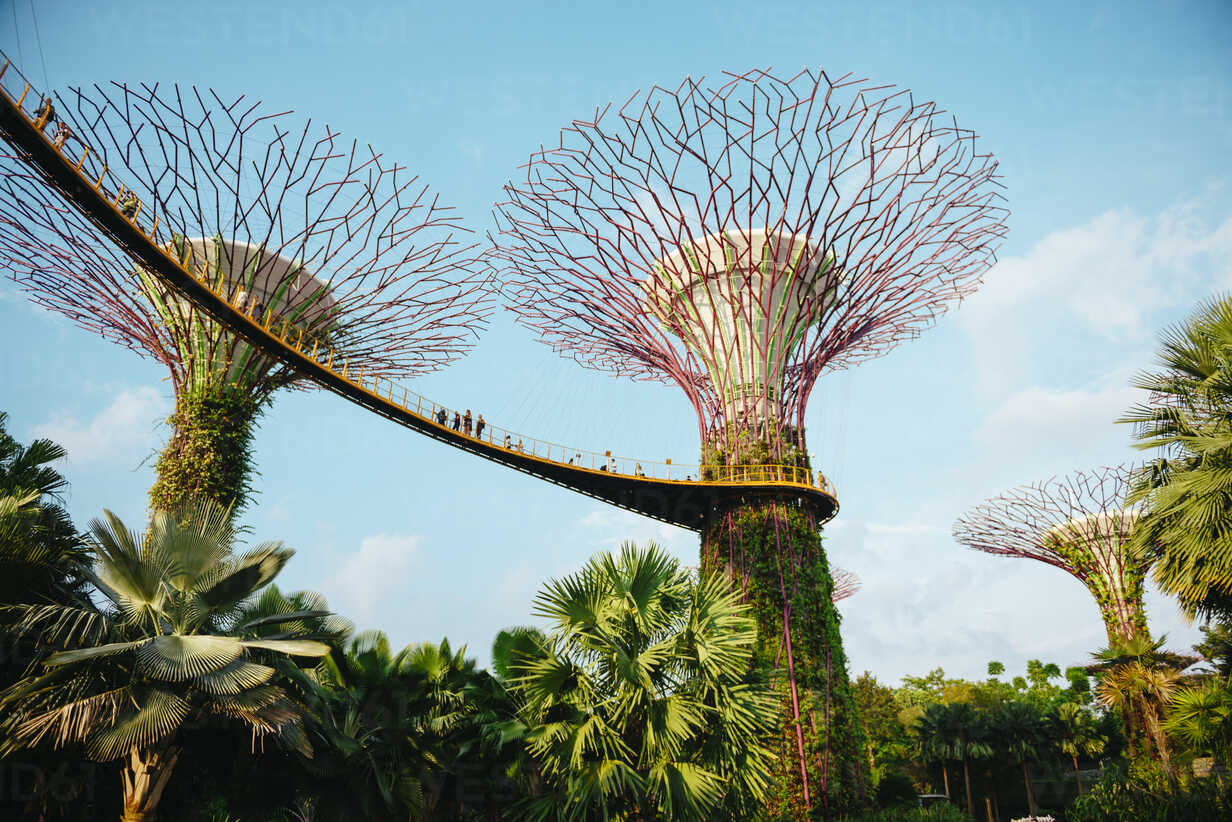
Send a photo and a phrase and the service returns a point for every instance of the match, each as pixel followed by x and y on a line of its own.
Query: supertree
pixel 1079 523
pixel 740 241
pixel 845 584
pixel 299 226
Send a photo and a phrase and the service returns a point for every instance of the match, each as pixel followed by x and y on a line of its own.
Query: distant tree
pixel 1187 491
pixel 1022 734
pixel 1216 648
pixel 638 701
pixel 995 668
pixel 1079 735
pixel 954 732
pixel 164 648
pixel 889 744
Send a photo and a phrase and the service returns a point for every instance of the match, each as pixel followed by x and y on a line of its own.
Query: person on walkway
pixel 479 426
pixel 128 206
pixel 638 470
pixel 611 463
pixel 440 416
pixel 62 135
pixel 457 421
pixel 467 422
pixel 508 442
pixel 521 450
pixel 45 113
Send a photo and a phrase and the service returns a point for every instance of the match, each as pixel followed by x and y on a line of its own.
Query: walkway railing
pixel 382 390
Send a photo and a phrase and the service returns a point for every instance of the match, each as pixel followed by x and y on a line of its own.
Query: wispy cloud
pixel 127 428
pixel 369 584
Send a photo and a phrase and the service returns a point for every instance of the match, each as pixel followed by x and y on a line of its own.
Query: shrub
pixel 895 788
pixel 1144 794
pixel 937 813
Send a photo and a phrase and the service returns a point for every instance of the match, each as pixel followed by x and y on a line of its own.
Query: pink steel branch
pixel 891 188
pixel 846 584
pixel 406 298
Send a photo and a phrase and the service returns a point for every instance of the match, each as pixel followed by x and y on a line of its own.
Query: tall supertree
pixel 1079 523
pixel 299 226
pixel 740 241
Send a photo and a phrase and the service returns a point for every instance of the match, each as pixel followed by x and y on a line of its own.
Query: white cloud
pixel 371 583
pixel 1062 419
pixel 126 427
pixel 609 527
pixel 1104 279
pixel 925 599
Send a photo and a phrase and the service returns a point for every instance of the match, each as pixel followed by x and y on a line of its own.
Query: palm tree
pixel 1021 730
pixel 1138 677
pixel 1187 523
pixel 953 732
pixel 639 702
pixel 1079 734
pixel 41 555
pixel 164 648
pixel 1201 718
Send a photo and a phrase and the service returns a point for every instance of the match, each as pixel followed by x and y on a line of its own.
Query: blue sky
pixel 1112 123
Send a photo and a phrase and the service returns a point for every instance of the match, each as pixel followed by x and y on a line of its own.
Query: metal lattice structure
pixel 1079 523
pixel 846 584
pixel 742 240
pixel 319 231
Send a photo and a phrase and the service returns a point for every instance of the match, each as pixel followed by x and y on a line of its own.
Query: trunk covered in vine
pixel 770 545
pixel 209 454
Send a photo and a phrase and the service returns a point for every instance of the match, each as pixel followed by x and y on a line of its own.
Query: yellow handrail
pixel 540 450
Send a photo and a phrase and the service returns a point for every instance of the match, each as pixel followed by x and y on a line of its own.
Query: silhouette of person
pixel 508 442
pixel 45 113
pixel 479 426
pixel 128 206
pixel 440 416
pixel 466 422
pixel 62 135
pixel 457 421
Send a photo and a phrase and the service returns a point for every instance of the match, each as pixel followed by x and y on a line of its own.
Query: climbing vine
pixel 209 454
pixel 772 548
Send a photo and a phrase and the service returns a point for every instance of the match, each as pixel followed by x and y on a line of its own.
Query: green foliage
pixel 895 788
pixel 774 550
pixel 943 812
pixel 41 556
pixel 209 453
pixel 890 745
pixel 1187 524
pixel 1138 678
pixel 638 701
pixel 1145 793
pixel 1200 718
pixel 163 649
pixel 1216 648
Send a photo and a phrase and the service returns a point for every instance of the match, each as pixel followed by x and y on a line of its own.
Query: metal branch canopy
pixel 124 227
pixel 740 241
pixel 1079 523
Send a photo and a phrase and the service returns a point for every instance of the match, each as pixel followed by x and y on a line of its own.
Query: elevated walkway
pixel 673 493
